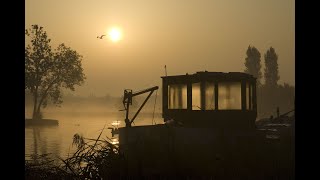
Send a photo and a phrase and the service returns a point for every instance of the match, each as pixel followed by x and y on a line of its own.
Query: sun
pixel 115 34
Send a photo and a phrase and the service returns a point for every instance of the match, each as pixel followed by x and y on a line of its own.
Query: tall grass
pixel 44 167
pixel 93 159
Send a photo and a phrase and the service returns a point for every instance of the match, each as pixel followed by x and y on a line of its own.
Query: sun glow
pixel 115 34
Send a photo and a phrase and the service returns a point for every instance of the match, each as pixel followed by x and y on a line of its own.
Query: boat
pixel 209 130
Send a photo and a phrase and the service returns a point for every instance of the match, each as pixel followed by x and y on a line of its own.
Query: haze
pixel 186 36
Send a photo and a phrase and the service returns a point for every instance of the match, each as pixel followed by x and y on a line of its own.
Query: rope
pixel 154 106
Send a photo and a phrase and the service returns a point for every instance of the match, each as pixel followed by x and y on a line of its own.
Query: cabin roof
pixel 213 75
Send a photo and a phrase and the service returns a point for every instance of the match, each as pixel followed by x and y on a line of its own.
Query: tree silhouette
pixel 46 72
pixel 252 63
pixel 271 73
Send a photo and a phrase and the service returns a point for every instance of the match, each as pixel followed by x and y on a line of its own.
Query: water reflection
pixel 57 140
pixel 42 140
pixel 116 123
pixel 115 140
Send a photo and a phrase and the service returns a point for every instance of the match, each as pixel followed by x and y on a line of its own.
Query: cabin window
pixel 177 94
pixel 209 96
pixel 229 95
pixel 249 96
pixel 196 96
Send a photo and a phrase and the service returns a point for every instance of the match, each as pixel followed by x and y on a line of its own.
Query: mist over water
pixel 57 140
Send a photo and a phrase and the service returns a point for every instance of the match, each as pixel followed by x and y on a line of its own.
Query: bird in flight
pixel 100 37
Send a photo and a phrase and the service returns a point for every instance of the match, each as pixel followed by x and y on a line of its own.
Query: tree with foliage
pixel 47 71
pixel 252 63
pixel 271 73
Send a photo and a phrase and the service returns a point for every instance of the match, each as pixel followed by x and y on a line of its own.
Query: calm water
pixel 57 140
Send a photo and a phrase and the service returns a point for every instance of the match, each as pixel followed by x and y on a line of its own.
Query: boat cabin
pixel 210 99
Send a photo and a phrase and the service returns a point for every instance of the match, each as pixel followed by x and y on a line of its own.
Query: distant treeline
pixel 271 98
pixel 270 95
pixel 104 101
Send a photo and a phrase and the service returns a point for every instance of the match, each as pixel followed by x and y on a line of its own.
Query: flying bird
pixel 100 37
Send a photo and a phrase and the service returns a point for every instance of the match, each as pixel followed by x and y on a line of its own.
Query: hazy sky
pixel 186 35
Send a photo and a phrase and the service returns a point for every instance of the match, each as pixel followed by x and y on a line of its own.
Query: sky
pixel 186 36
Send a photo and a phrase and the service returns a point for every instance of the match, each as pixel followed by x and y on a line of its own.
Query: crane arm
pixel 127 100
pixel 145 90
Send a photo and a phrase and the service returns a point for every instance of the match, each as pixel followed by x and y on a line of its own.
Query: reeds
pixel 93 159
pixel 44 167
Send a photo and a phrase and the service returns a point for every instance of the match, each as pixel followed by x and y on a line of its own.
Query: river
pixel 57 140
